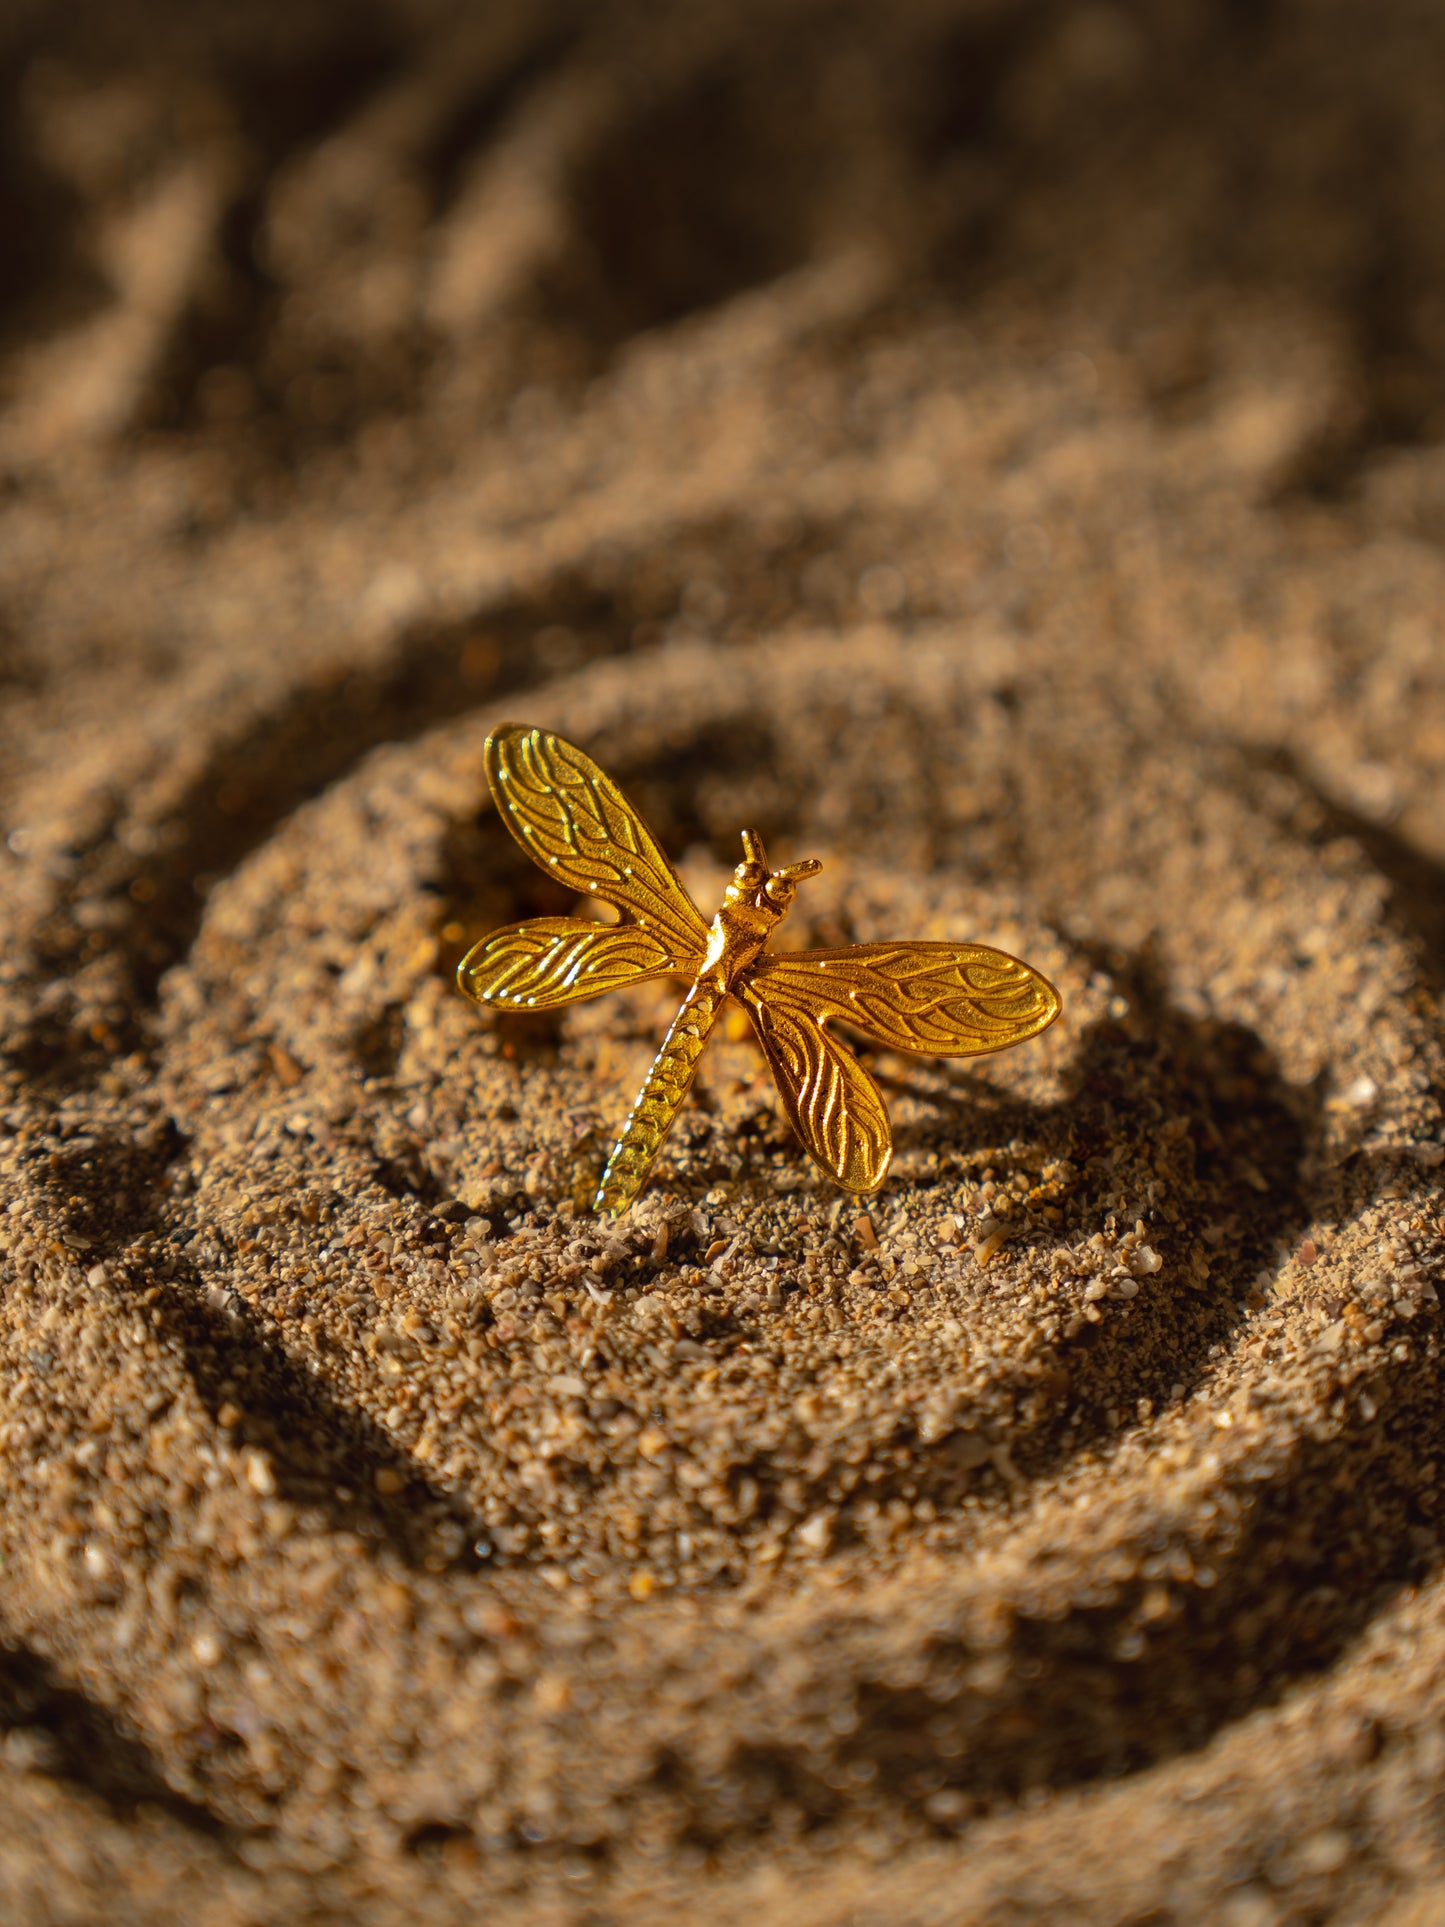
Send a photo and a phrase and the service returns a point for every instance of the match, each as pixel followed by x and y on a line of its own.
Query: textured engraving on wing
pixel 550 961
pixel 575 824
pixel 947 999
pixel 830 1100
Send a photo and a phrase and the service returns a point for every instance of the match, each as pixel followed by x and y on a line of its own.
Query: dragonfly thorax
pixel 755 900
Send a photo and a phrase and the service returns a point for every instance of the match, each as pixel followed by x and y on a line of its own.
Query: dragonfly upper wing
pixel 575 823
pixel 947 999
pixel 546 962
pixel 830 1100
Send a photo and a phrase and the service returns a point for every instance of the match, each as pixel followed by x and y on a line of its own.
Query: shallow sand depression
pixel 1035 539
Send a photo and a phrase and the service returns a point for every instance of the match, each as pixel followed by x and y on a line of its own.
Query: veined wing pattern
pixel 546 962
pixel 830 1100
pixel 575 824
pixel 947 999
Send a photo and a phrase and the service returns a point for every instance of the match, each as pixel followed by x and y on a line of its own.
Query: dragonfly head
pixel 766 889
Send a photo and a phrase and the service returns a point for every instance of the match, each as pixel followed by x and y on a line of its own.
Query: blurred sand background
pixel 997 448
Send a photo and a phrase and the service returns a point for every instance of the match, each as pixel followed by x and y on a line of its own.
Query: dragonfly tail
pixel 659 1100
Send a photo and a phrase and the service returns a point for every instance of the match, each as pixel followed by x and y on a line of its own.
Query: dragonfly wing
pixel 946 999
pixel 550 961
pixel 575 823
pixel 830 1100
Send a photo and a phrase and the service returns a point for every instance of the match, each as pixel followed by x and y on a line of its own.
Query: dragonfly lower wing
pixel 547 962
pixel 830 1100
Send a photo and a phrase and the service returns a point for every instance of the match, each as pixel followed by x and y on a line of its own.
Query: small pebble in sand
pixel 991 1239
pixel 816 1532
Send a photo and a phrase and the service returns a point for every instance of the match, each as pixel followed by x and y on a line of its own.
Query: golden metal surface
pixel 945 999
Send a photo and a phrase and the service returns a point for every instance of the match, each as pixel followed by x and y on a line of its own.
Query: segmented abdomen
pixel 659 1100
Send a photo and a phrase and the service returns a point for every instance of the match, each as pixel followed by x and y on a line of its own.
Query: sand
pixel 995 450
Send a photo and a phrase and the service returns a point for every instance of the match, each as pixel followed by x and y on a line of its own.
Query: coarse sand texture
pixel 998 450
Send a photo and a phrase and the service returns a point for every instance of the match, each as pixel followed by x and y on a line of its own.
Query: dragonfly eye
pixel 750 877
pixel 780 891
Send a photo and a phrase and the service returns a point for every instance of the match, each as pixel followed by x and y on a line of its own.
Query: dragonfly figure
pixel 945 999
